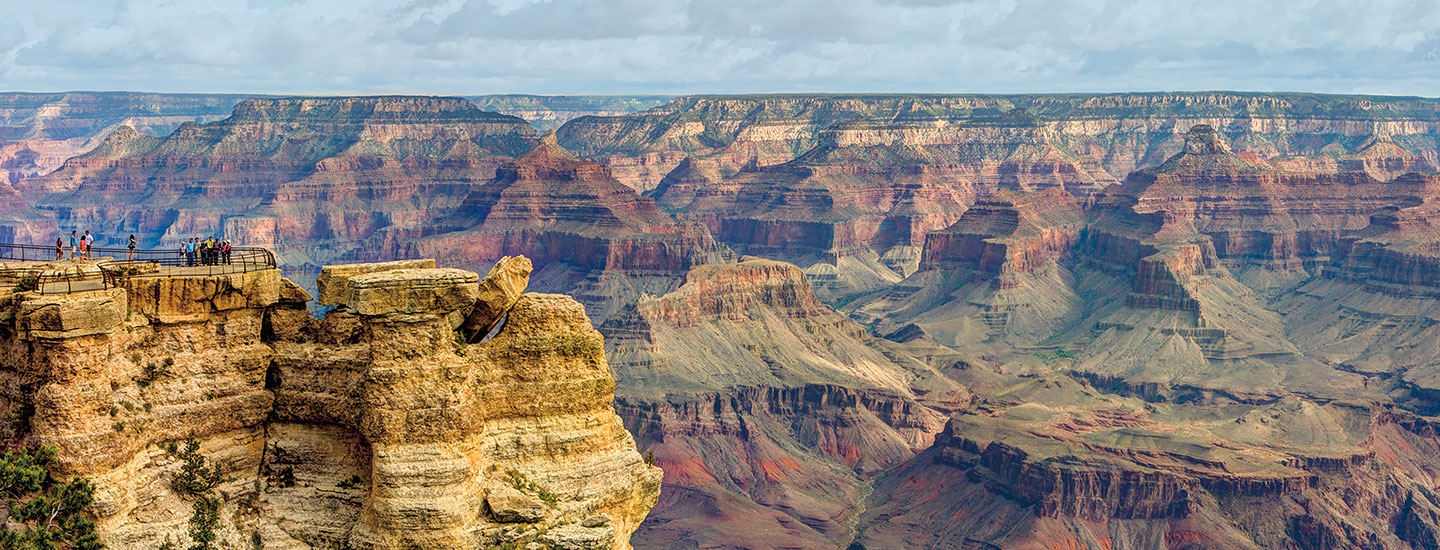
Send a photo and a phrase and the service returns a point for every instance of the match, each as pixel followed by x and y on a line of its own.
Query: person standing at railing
pixel 131 246
pixel 190 252
pixel 85 243
pixel 74 243
pixel 59 249
pixel 225 249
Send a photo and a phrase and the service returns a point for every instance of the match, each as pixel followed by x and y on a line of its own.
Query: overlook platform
pixel 105 269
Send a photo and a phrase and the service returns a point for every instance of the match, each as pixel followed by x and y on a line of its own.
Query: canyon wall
pixel 1080 321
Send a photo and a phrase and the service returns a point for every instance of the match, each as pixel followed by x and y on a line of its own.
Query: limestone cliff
pixel 377 426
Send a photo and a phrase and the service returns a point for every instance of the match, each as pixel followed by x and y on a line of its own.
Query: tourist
pixel 225 249
pixel 59 248
pixel 131 246
pixel 74 243
pixel 190 252
pixel 85 243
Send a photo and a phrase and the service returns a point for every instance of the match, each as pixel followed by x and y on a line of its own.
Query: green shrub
pixel 521 483
pixel 204 518
pixel 27 283
pixel 44 513
pixel 195 479
pixel 155 371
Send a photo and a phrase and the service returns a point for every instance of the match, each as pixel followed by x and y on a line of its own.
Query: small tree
pixel 195 479
pixel 204 519
pixel 44 512
pixel 198 481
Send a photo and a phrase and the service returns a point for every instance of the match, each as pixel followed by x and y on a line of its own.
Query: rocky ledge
pixel 393 422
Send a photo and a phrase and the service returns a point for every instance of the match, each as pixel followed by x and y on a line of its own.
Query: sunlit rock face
pixel 375 427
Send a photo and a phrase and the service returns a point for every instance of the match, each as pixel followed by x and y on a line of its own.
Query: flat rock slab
pixel 73 315
pixel 412 291
pixel 334 280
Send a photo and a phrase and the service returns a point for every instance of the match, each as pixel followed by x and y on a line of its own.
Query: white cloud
pixel 685 46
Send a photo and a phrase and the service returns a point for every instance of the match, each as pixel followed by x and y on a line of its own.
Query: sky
pixel 471 47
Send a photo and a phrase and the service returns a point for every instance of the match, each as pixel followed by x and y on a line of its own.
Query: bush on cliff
pixel 44 512
pixel 27 283
pixel 198 481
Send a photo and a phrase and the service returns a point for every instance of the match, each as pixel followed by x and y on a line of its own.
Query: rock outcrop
pixel 377 426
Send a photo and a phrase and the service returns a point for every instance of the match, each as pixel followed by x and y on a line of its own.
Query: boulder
pixel 291 293
pixel 509 505
pixel 498 292
pixel 578 537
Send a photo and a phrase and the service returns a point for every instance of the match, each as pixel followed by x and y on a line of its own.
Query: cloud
pixel 690 46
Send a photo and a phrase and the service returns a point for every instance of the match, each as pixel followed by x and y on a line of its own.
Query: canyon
pixel 1169 320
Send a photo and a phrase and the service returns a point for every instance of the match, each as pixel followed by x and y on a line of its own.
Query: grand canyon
pixel 1081 321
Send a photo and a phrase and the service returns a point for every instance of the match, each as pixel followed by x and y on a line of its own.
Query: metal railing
pixel 171 263
pixel 126 263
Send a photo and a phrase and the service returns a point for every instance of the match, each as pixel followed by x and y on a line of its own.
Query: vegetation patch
pixel 155 371
pixel 521 483
pixel 27 283
pixel 44 512
pixel 198 481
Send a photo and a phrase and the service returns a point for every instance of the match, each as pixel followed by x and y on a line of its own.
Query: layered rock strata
pixel 375 427
pixel 765 408
pixel 584 231
pixel 313 178
pixel 1109 135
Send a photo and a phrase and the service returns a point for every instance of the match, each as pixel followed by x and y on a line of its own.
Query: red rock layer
pixel 1007 234
pixel 553 207
pixel 1255 212
pixel 312 177
pixel 38 132
pixel 766 409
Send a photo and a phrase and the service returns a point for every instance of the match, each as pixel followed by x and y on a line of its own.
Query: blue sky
pixel 720 46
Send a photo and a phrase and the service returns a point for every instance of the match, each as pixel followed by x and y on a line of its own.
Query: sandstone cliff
pixel 375 427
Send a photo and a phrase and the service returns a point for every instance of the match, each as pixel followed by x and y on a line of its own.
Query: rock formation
pixel 313 178
pixel 548 112
pixel 38 132
pixel 377 426
pixel 765 408
pixel 583 230
pixel 1109 135
pixel 1100 321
